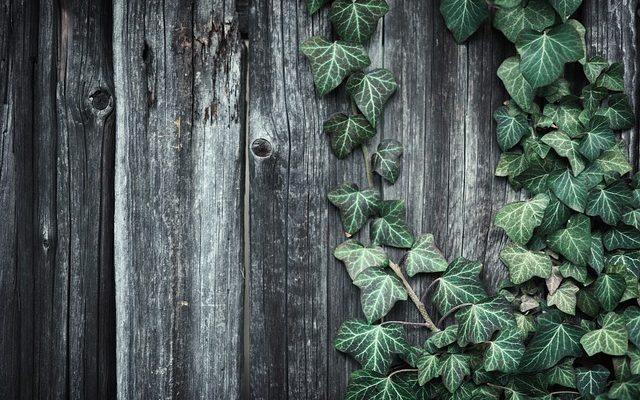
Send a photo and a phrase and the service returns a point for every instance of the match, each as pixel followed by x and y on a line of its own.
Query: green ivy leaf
pixel 358 258
pixel 553 341
pixel 632 218
pixel 592 98
pixel 332 62
pixel 612 78
pixel 512 126
pixel 356 20
pixel 518 88
pixel 574 242
pixel 564 298
pixel 511 164
pixel 597 138
pixel 428 368
pixel 536 15
pixel 632 286
pixel 588 302
pixel 478 322
pixel 624 237
pixel 380 292
pixel 425 257
pixel 571 190
pixel 347 133
pixel 386 161
pixel 565 7
pixel 613 161
pixel 607 203
pixel 594 67
pixel 609 289
pixel 632 314
pixel 458 285
pixel 356 206
pixel 630 260
pixel 454 368
pixel 504 352
pixel 592 381
pixel 519 219
pixel 555 216
pixel 370 385
pixel 568 270
pixel 440 339
pixel 545 54
pixel 463 17
pixel 619 113
pixel 391 229
pixel 371 345
pixel 610 339
pixel 525 324
pixel 565 147
pixel 563 374
pixel 627 389
pixel 371 91
pixel 524 264
pixel 314 6
pixel 566 115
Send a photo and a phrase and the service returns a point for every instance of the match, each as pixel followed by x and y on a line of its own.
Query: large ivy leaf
pixel 390 228
pixel 519 219
pixel 504 352
pixel 626 389
pixel 555 216
pixel 314 5
pixel 612 78
pixel 574 242
pixel 511 164
pixel 630 260
pixel 609 289
pixel 356 206
pixel 592 381
pixel 458 285
pixel 608 203
pixel 564 298
pixel 463 17
pixel 571 190
pixel 619 112
pixel 347 133
pixel 512 126
pixel 565 7
pixel 425 257
pixel 428 368
pixel 552 342
pixel 371 345
pixel 564 146
pixel 624 237
pixel 518 88
pixel 536 15
pixel 454 368
pixel 371 91
pixel 594 67
pixel 632 284
pixel 478 322
pixel 566 115
pixel 545 54
pixel 524 264
pixel 632 314
pixel 613 161
pixel 380 291
pixel 610 339
pixel 358 258
pixel 332 62
pixel 386 161
pixel 592 98
pixel 371 385
pixel 597 138
pixel 355 20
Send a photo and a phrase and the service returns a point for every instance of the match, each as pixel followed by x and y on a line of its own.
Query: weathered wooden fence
pixel 126 238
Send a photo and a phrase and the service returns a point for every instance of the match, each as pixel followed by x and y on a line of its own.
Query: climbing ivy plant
pixel 566 323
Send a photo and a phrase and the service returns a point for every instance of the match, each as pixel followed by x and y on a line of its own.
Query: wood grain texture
pixel 178 221
pixel 57 335
pixel 442 112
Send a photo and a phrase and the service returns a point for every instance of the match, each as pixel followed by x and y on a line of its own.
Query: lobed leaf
pixel 356 20
pixel 370 91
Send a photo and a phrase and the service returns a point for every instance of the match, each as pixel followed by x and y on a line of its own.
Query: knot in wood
pixel 100 99
pixel 261 148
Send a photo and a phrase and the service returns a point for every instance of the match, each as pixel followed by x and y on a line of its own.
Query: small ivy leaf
pixel 519 219
pixel 440 339
pixel 525 324
pixel 632 314
pixel 386 161
pixel 478 322
pixel 556 91
pixel 624 237
pixel 552 282
pixel 380 292
pixel 537 15
pixel 428 368
pixel 598 137
pixel 612 78
pixel 458 285
pixel 574 242
pixel 332 62
pixel 545 54
pixel 564 298
pixel 371 91
pixel 565 7
pixel 454 368
pixel 563 374
pixel 613 161
pixel 356 20
pixel 425 257
pixel 463 17
pixel 610 339
pixel 619 112
pixel 390 228
pixel 632 286
pixel 609 289
pixel 629 260
pixel 356 206
pixel 526 387
pixel 524 264
pixel 592 381
pixel 568 270
pixel 533 146
pixel 565 147
pixel 594 67
pixel 371 345
pixel 411 355
pixel 504 352
pixel 571 190
pixel 347 133
pixel 358 258
pixel 511 165
pixel 371 385
pixel 632 218
pixel 518 88
pixel 552 342
pixel 313 6
pixel 512 126
pixel 566 115
pixel 592 98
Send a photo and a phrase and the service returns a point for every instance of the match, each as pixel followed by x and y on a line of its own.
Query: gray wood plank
pixel 56 185
pixel 179 185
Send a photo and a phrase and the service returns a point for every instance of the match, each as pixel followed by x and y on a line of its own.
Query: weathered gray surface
pixel 178 221
pixel 57 335
pixel 443 115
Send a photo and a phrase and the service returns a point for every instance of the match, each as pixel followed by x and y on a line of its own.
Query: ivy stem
pixel 401 371
pixel 421 308
pixel 404 323
pixel 454 309
pixel 563 392
pixel 426 292
pixel 367 164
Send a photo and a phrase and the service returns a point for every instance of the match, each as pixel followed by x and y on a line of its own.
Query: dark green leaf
pixel 314 5
pixel 610 339
pixel 347 133
pixel 463 17
pixel 356 206
pixel 619 113
pixel 511 164
pixel 428 368
pixel 371 91
pixel 571 190
pixel 612 78
pixel 565 7
pixel 553 341
pixel 458 285
pixel 609 289
pixel 440 339
pixel 632 314
pixel 386 161
pixel 624 237
pixel 370 385
pixel 519 219
pixel 563 374
pixel 390 228
pixel 574 242
pixel 358 258
pixel 597 138
pixel 380 291
pixel 425 257
pixel 592 381
pixel 565 147
pixel 566 115
pixel 564 298
pixel 524 264
pixel 454 368
pixel 512 126
pixel 594 67
pixel 518 88
pixel 536 15
pixel 478 322
pixel 356 20
pixel 504 352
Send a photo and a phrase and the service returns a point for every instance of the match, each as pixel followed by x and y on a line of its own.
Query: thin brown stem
pixel 367 164
pixel 401 371
pixel 412 295
pixel 426 292
pixel 454 309
pixel 563 392
pixel 404 323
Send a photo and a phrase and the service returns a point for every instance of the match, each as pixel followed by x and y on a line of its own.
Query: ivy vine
pixel 566 324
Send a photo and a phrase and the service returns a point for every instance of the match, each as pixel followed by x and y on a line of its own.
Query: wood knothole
pixel 101 100
pixel 261 148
